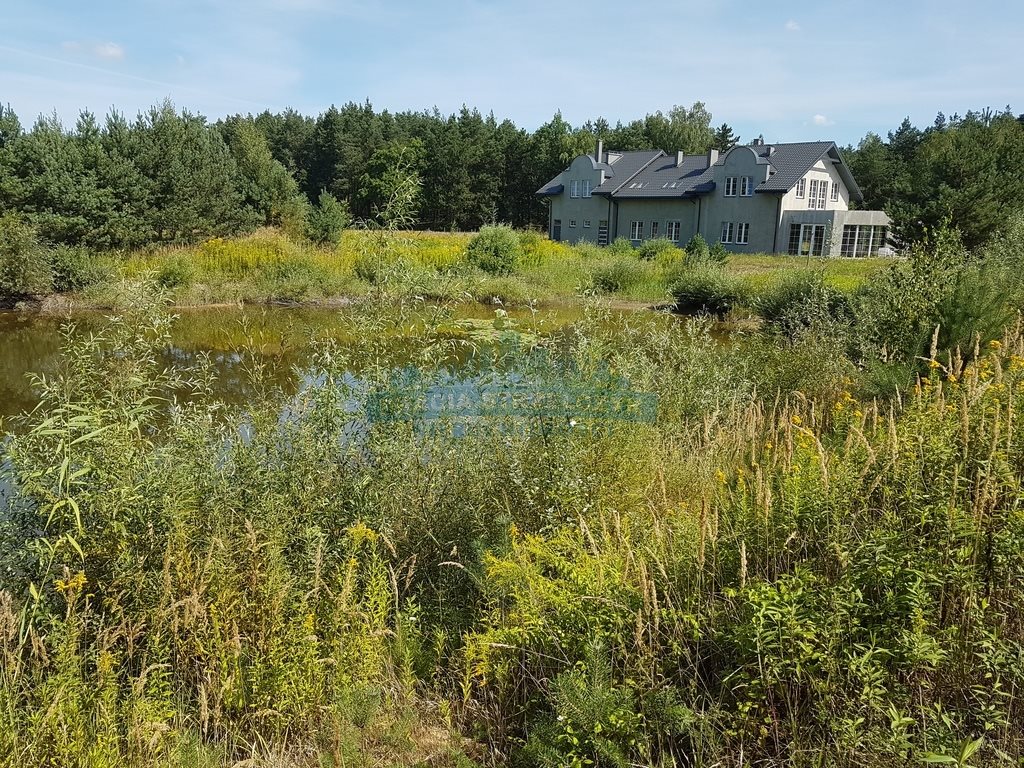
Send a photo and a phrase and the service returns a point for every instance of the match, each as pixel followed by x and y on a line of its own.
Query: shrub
pixel 697 249
pixel 24 263
pixel 328 220
pixel 589 251
pixel 619 275
pixel 75 268
pixel 495 249
pixel 705 289
pixel 940 285
pixel 657 249
pixel 621 246
pixel 803 300
pixel 177 271
pixel 717 253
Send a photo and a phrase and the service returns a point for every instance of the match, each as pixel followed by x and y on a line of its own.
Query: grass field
pixel 267 266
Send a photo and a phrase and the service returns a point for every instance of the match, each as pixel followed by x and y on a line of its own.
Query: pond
pixel 280 338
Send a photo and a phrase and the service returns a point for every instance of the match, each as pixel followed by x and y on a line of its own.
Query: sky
pixel 789 70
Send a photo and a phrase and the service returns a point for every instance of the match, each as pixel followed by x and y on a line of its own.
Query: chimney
pixel 679 158
pixel 600 150
pixel 712 157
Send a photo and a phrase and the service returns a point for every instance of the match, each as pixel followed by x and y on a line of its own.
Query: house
pixel 771 198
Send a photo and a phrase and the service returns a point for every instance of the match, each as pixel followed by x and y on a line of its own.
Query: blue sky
pixel 791 70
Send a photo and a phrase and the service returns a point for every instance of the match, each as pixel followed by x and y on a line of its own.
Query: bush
pixel 495 250
pixel 328 220
pixel 75 268
pixel 622 246
pixel 620 275
pixel 803 300
pixel 659 249
pixel 941 285
pixel 176 272
pixel 705 289
pixel 589 251
pixel 24 263
pixel 697 249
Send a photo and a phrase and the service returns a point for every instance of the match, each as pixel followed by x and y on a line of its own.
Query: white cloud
pixel 792 26
pixel 822 120
pixel 106 51
pixel 110 51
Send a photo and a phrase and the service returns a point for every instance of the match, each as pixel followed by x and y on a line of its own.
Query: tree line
pixel 174 176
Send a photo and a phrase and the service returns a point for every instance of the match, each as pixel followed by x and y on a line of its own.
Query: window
pixel 727 231
pixel 574 188
pixel 801 187
pixel 586 223
pixel 586 187
pixel 673 231
pixel 862 240
pixel 572 223
pixel 746 186
pixel 730 186
pixel 807 239
pixel 654 229
pixel 819 191
pixel 743 233
pixel 835 191
pixel 602 232
pixel 636 230
pixel 794 239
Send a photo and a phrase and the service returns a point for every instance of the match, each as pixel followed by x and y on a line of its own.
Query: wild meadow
pixel 269 266
pixel 808 554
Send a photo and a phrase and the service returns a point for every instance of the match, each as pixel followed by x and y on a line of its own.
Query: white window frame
pixel 727 231
pixel 743 233
pixel 812 194
pixel 835 191
pixel 822 194
pixel 801 188
pixel 636 230
pixel 730 186
pixel 586 223
pixel 572 223
pixel 585 184
pixel 672 230
pixel 574 188
pixel 654 229
pixel 746 186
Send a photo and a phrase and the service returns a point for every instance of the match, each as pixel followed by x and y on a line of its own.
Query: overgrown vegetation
pixel 809 555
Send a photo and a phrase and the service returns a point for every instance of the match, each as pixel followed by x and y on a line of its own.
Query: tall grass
pixel 777 570
pixel 268 266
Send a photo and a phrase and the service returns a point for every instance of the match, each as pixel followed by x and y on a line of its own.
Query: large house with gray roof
pixel 769 198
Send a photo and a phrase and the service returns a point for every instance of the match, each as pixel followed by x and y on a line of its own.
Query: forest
pixel 171 176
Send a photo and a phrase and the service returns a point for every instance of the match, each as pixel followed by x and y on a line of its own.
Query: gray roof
pixel 624 167
pixel 654 174
pixel 666 179
pixel 791 161
pixel 551 188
